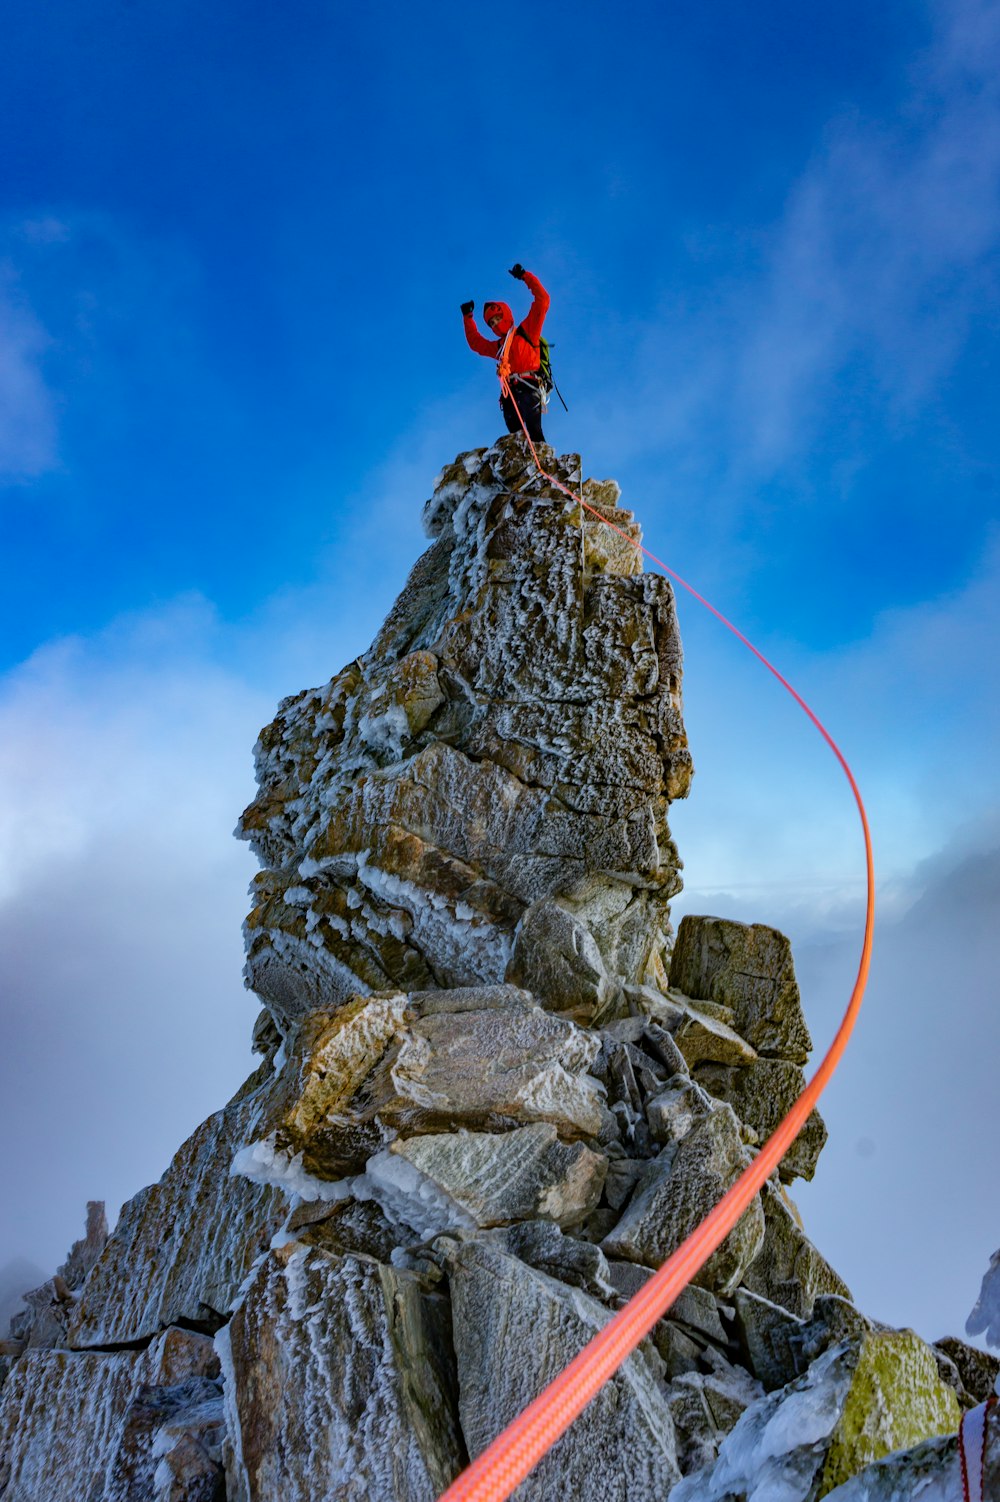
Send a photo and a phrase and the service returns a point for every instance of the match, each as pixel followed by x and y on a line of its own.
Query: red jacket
pixel 522 353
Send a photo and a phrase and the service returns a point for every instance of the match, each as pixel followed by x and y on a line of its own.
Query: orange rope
pixel 514 1453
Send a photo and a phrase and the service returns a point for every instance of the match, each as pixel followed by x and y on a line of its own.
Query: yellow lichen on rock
pixel 896 1400
pixel 342 1055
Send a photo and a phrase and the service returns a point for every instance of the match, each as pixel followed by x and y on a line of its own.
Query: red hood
pixel 507 320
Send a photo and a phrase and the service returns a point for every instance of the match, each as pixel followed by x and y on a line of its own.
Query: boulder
pixel 705 1406
pixel 556 957
pixel 542 1245
pixel 675 1109
pixel 171 1446
pixel 703 1038
pixel 933 1471
pixel 747 968
pixel 788 1270
pixel 770 1339
pixel 496 1177
pixel 346 1225
pixel 761 1094
pixel 978 1371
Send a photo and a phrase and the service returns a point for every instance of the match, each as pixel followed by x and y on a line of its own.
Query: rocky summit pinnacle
pixel 496 1091
pixel 486 789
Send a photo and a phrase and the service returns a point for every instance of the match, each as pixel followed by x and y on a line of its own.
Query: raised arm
pixel 474 338
pixel 532 325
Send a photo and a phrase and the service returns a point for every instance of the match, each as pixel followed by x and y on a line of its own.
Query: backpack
pixel 545 377
pixel 545 358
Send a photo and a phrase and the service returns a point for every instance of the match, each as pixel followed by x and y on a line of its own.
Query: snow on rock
pixel 857 1402
pixel 336 1383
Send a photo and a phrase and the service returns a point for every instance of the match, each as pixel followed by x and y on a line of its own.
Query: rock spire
pixel 495 1092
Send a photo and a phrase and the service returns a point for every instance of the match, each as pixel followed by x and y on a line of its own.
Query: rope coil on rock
pixel 515 1452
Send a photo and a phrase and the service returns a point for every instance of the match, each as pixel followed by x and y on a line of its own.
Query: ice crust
pixel 773 1453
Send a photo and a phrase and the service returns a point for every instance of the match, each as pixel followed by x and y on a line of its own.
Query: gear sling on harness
pixel 505 1463
pixel 534 393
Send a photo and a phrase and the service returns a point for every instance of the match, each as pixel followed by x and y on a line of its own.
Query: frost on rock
pixel 64 1429
pixel 337 1383
pixel 490 1178
pixel 364 1073
pixel 513 734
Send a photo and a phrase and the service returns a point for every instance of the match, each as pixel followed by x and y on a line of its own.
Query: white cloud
pixel 28 428
pixel 879 265
pixel 903 1201
pixel 123 761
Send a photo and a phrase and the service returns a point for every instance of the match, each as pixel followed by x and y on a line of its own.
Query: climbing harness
pixel 505 1463
pixel 972 1449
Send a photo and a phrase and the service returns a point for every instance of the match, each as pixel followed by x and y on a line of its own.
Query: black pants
pixel 529 400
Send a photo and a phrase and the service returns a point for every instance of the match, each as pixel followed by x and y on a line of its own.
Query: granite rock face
pixel 513 737
pixel 492 1098
pixel 338 1382
pixel 514 1331
pixel 67 1419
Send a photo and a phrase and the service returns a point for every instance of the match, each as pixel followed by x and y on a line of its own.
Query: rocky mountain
pixel 495 1092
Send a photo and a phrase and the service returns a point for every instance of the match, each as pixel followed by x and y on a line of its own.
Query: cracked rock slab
pixel 63 1415
pixel 382 1066
pixel 515 1329
pixel 337 1384
pixel 498 1178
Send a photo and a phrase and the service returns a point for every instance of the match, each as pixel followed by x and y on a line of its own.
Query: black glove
pixel 468 309
pixel 517 270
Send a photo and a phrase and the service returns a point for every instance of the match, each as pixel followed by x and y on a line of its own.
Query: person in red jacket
pixel 519 347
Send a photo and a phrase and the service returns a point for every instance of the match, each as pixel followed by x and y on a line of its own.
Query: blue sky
pixel 232 248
